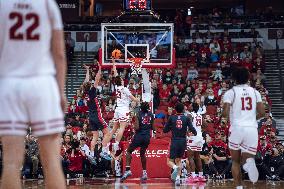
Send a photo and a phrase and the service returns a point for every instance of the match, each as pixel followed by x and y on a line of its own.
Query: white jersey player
pixel 194 146
pixel 32 77
pixel 121 113
pixel 243 105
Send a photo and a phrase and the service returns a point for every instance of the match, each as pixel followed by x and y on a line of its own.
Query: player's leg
pixel 249 149
pixel 235 139
pixel 122 126
pixel 144 146
pixel 50 160
pixel 131 148
pixel 13 157
pixel 198 165
pixel 94 141
pixel 107 138
pixel 236 167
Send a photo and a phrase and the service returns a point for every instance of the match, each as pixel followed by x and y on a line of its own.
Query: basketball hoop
pixel 136 65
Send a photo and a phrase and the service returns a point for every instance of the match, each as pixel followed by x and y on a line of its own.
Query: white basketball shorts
pixel 244 139
pixel 195 143
pixel 121 114
pixel 30 101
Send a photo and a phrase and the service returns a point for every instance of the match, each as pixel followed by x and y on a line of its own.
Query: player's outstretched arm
pixel 58 53
pixel 133 98
pixel 260 109
pixel 136 122
pixel 226 110
pixel 98 77
pixel 114 68
pixel 87 77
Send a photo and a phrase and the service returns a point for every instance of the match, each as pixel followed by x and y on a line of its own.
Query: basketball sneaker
pixel 177 182
pixel 126 175
pixel 144 177
pixel 174 174
pixel 106 156
pixel 251 169
pixel 191 180
pixel 201 178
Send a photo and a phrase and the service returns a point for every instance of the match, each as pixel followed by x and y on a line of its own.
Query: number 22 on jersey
pixel 19 20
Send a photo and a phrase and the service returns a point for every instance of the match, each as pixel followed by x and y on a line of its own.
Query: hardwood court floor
pixel 159 183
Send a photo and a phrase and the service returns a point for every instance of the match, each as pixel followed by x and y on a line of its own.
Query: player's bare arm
pixel 87 77
pixel 226 110
pixel 98 76
pixel 136 123
pixel 133 98
pixel 204 124
pixel 114 70
pixel 58 53
pixel 260 110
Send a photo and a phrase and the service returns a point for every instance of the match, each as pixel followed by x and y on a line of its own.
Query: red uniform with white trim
pixel 243 130
pixel 29 91
pixel 121 113
pixel 195 143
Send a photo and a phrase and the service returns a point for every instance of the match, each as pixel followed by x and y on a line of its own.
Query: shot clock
pixel 137 5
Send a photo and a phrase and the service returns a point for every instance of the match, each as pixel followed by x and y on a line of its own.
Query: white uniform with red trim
pixel 121 113
pixel 243 130
pixel 29 91
pixel 195 143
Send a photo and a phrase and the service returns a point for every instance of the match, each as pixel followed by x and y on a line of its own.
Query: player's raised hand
pixel 86 67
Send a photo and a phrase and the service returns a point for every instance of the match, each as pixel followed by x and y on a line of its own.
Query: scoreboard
pixel 137 5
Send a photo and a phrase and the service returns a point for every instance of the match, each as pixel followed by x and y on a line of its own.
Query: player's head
pixel 195 107
pixel 241 75
pixel 118 81
pixel 179 108
pixel 144 107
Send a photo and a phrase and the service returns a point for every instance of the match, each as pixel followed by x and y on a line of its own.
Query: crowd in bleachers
pixel 202 75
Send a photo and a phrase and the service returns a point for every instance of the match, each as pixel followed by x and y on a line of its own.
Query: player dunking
pixel 121 114
pixel 244 105
pixel 95 115
pixel 143 125
pixel 32 78
pixel 194 146
pixel 180 125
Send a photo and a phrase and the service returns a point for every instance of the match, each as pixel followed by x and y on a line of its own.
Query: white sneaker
pixel 251 169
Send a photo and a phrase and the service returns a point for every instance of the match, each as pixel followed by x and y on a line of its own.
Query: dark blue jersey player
pixel 180 125
pixel 96 120
pixel 143 125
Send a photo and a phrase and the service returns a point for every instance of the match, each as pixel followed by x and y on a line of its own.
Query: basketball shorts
pixel 139 140
pixel 177 148
pixel 96 121
pixel 121 114
pixel 244 139
pixel 195 143
pixel 30 101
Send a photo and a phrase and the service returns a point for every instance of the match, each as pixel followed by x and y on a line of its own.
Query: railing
pixel 280 69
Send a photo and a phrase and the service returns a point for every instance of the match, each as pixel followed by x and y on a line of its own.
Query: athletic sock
pixel 200 174
pixel 144 172
pixel 193 174
pixel 178 177
pixel 239 187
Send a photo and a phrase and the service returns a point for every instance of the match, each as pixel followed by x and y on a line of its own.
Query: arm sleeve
pixel 258 96
pixel 190 127
pixel 168 125
pixel 54 15
pixel 229 96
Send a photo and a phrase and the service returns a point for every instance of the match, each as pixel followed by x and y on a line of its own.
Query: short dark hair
pixel 144 107
pixel 179 108
pixel 241 75
pixel 118 81
pixel 195 107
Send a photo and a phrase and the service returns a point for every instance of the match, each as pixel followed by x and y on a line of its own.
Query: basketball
pixel 116 54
